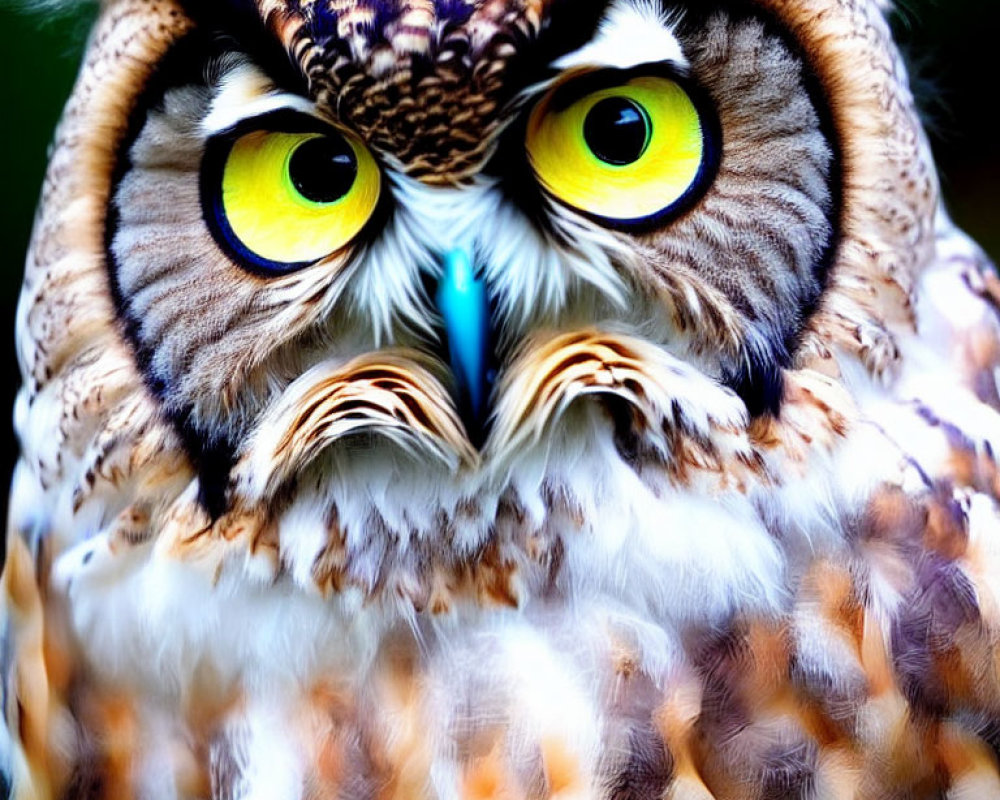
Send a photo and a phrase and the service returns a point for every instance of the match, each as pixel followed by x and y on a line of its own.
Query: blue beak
pixel 463 303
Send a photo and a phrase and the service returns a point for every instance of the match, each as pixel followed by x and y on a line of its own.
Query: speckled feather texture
pixel 252 552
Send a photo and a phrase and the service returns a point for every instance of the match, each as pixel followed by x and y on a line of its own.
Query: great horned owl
pixel 501 399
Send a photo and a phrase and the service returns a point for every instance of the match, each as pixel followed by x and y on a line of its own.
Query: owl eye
pixel 278 200
pixel 628 154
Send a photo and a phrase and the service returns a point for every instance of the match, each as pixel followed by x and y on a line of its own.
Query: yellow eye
pixel 283 200
pixel 626 153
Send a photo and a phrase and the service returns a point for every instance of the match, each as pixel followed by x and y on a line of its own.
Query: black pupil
pixel 323 169
pixel 617 130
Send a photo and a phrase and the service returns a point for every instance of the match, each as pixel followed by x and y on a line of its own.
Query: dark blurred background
pixel 951 45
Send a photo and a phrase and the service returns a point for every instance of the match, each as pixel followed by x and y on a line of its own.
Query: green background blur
pixel 952 45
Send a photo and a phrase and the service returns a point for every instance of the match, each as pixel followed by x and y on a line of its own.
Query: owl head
pixel 444 383
pixel 370 292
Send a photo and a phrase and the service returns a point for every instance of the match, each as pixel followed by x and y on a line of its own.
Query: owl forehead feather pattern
pixel 730 531
pixel 422 81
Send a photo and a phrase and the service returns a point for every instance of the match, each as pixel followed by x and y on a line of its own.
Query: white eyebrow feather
pixel 632 32
pixel 245 92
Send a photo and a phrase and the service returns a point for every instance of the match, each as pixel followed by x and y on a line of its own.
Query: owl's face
pixel 404 297
pixel 343 227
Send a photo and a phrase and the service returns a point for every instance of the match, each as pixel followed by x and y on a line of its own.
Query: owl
pixel 468 399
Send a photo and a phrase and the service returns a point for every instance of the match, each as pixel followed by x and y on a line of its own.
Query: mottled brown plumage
pixel 730 532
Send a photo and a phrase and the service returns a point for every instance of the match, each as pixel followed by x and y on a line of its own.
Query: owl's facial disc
pixel 663 175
